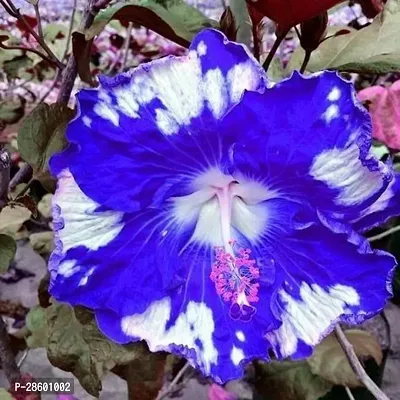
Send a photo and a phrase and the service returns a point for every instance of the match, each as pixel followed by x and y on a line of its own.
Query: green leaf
pixel 12 219
pixel 44 205
pixel 379 150
pixel 37 326
pixel 374 49
pixel 53 32
pixel 242 21
pixel 289 380
pixel 5 395
pixel 8 247
pixel 43 133
pixel 12 111
pixel 330 362
pixel 276 71
pixel 7 55
pixel 75 344
pixel 175 20
pixel 13 67
pixel 56 37
pixel 42 242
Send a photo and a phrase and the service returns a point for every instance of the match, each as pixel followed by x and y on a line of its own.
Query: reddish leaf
pixel 32 22
pixel 29 203
pixel 289 13
pixel 384 107
pixel 217 392
pixel 22 394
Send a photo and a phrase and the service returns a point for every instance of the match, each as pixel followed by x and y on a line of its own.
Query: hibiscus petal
pixel 329 277
pixel 143 234
pixel 148 277
pixel 159 287
pixel 387 206
pixel 322 148
pixel 104 258
pixel 136 123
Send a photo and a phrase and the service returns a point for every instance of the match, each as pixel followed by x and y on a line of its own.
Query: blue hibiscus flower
pixel 217 216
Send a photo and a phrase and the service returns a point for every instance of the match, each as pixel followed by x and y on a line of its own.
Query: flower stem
pixel 70 29
pixel 24 172
pixel 7 358
pixel 168 390
pixel 71 71
pixel 357 367
pixel 39 21
pixel 306 59
pixel 45 58
pixel 384 234
pixel 279 38
pixel 16 14
pixel 5 165
pixel 348 391
pixel 125 51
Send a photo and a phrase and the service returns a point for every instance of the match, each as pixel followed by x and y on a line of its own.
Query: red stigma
pixel 235 274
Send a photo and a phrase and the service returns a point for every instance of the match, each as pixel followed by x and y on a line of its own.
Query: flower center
pixel 233 272
pixel 217 204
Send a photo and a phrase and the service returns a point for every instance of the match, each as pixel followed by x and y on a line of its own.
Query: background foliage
pixel 35 107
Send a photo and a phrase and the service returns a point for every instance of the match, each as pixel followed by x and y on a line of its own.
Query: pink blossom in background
pixel 385 112
pixel 66 397
pixel 217 392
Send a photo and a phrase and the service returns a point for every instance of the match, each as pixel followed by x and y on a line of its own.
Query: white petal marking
pixel 86 121
pixel 83 225
pixel 331 113
pixel 179 87
pixel 85 278
pixel 241 77
pixel 107 112
pixel 193 326
pixel 68 268
pixel 334 94
pixel 382 202
pixel 166 122
pixel 215 92
pixel 309 318
pixel 342 169
pixel 127 101
pixel 237 355
pixel 202 49
pixel 240 336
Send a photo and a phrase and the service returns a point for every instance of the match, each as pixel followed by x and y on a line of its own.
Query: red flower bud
pixel 228 25
pixel 288 13
pixel 313 31
pixel 371 8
